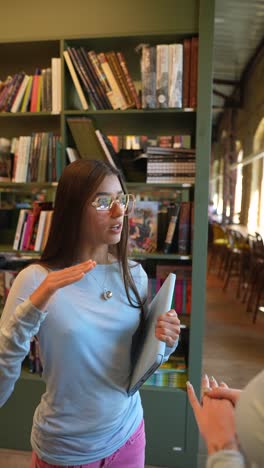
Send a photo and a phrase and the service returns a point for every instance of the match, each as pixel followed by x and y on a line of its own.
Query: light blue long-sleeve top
pixel 85 345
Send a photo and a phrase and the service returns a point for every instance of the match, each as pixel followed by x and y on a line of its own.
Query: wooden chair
pixel 236 261
pixel 217 247
pixel 259 296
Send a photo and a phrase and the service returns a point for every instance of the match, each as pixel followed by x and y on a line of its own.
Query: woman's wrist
pixel 216 447
pixel 40 297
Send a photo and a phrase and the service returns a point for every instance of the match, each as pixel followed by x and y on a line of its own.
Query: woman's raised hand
pixel 59 279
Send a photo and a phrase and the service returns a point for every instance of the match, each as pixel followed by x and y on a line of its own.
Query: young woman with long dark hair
pixel 85 301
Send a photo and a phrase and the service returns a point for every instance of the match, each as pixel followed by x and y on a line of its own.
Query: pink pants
pixel 130 455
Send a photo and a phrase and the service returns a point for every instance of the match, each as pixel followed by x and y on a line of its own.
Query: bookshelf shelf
pixel 168 121
pixel 13 115
pixel 21 254
pixel 27 186
pixel 144 187
pixel 161 256
pixel 146 112
pixel 155 388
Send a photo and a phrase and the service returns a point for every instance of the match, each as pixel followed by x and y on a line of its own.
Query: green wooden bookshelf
pixel 172 437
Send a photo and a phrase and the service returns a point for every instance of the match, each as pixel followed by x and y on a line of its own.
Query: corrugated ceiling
pixel 239 28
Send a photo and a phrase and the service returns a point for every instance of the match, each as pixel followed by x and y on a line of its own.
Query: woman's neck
pixel 101 255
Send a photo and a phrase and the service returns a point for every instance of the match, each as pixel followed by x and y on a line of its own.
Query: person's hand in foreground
pixel 221 391
pixel 215 419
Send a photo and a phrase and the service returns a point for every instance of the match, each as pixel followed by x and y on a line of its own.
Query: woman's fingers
pixel 195 404
pixel 168 328
pixel 61 278
pixel 230 394
pixel 213 382
pixel 223 385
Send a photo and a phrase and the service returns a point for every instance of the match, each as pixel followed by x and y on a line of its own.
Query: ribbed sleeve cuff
pixel 226 459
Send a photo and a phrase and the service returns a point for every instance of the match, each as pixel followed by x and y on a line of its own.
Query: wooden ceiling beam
pixel 221 81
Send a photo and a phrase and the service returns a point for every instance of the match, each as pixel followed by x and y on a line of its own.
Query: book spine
pixel 105 149
pixel 119 102
pixel 82 64
pixel 40 231
pixel 49 89
pixel 129 80
pixel 102 78
pixel 184 229
pixel 17 102
pixel 39 95
pixel 27 95
pixel 162 77
pixel 171 229
pixel 15 89
pixel 75 80
pixel 20 223
pixel 83 76
pixel 47 229
pixel 34 92
pixel 148 77
pixel 186 72
pixel 94 80
pixel 194 72
pixel 4 96
pixel 120 78
pixel 175 75
pixel 44 90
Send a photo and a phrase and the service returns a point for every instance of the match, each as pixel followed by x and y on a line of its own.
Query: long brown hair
pixel 77 185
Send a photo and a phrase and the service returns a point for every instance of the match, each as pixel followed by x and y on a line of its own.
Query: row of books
pixel 170 165
pixel 175 378
pixel 40 92
pixel 137 142
pixel 169 75
pixel 33 227
pixel 101 80
pixel 183 291
pixel 156 227
pixel 35 158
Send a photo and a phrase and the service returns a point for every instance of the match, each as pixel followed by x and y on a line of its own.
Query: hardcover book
pixel 175 75
pixel 148 77
pixel 86 140
pixel 162 76
pixel 75 80
pixel 143 227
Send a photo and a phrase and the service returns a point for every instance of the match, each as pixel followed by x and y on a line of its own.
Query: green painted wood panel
pixel 17 414
pixel 49 19
pixel 165 422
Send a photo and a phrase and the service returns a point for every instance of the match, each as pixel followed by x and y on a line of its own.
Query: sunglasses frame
pixel 130 198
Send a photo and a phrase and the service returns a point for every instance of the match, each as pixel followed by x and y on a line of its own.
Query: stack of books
pixel 170 165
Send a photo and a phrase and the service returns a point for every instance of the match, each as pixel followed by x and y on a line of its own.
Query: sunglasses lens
pixel 103 203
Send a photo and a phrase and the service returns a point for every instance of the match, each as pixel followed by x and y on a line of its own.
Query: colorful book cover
pixel 143 227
